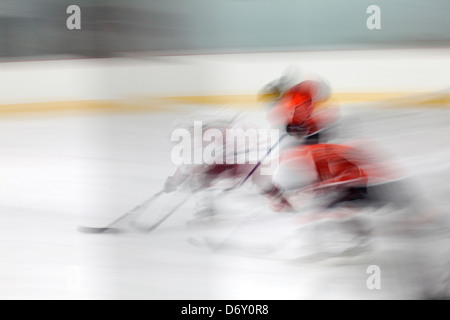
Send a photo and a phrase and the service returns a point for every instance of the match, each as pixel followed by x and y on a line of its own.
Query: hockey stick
pixel 161 220
pixel 218 246
pixel 167 215
pixel 258 164
pixel 110 227
pixel 172 211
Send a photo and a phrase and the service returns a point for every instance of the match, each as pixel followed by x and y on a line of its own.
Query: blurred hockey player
pixel 303 109
pixel 205 180
pixel 339 175
pixel 321 169
pixel 355 190
pixel 337 185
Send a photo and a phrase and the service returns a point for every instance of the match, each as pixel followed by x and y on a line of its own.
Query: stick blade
pixel 145 228
pixel 94 230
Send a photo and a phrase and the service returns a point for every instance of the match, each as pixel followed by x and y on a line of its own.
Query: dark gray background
pixel 37 29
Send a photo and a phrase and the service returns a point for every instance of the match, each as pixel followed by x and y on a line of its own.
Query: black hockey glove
pixel 295 130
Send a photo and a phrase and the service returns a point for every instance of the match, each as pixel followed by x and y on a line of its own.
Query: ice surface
pixel 60 170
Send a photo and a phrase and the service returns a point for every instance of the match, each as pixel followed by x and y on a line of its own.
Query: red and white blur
pixel 224 150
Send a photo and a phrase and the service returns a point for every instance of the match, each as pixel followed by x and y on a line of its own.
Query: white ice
pixel 59 170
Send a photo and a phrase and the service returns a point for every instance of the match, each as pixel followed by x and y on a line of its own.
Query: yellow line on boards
pixel 341 97
pixel 394 99
pixel 85 106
